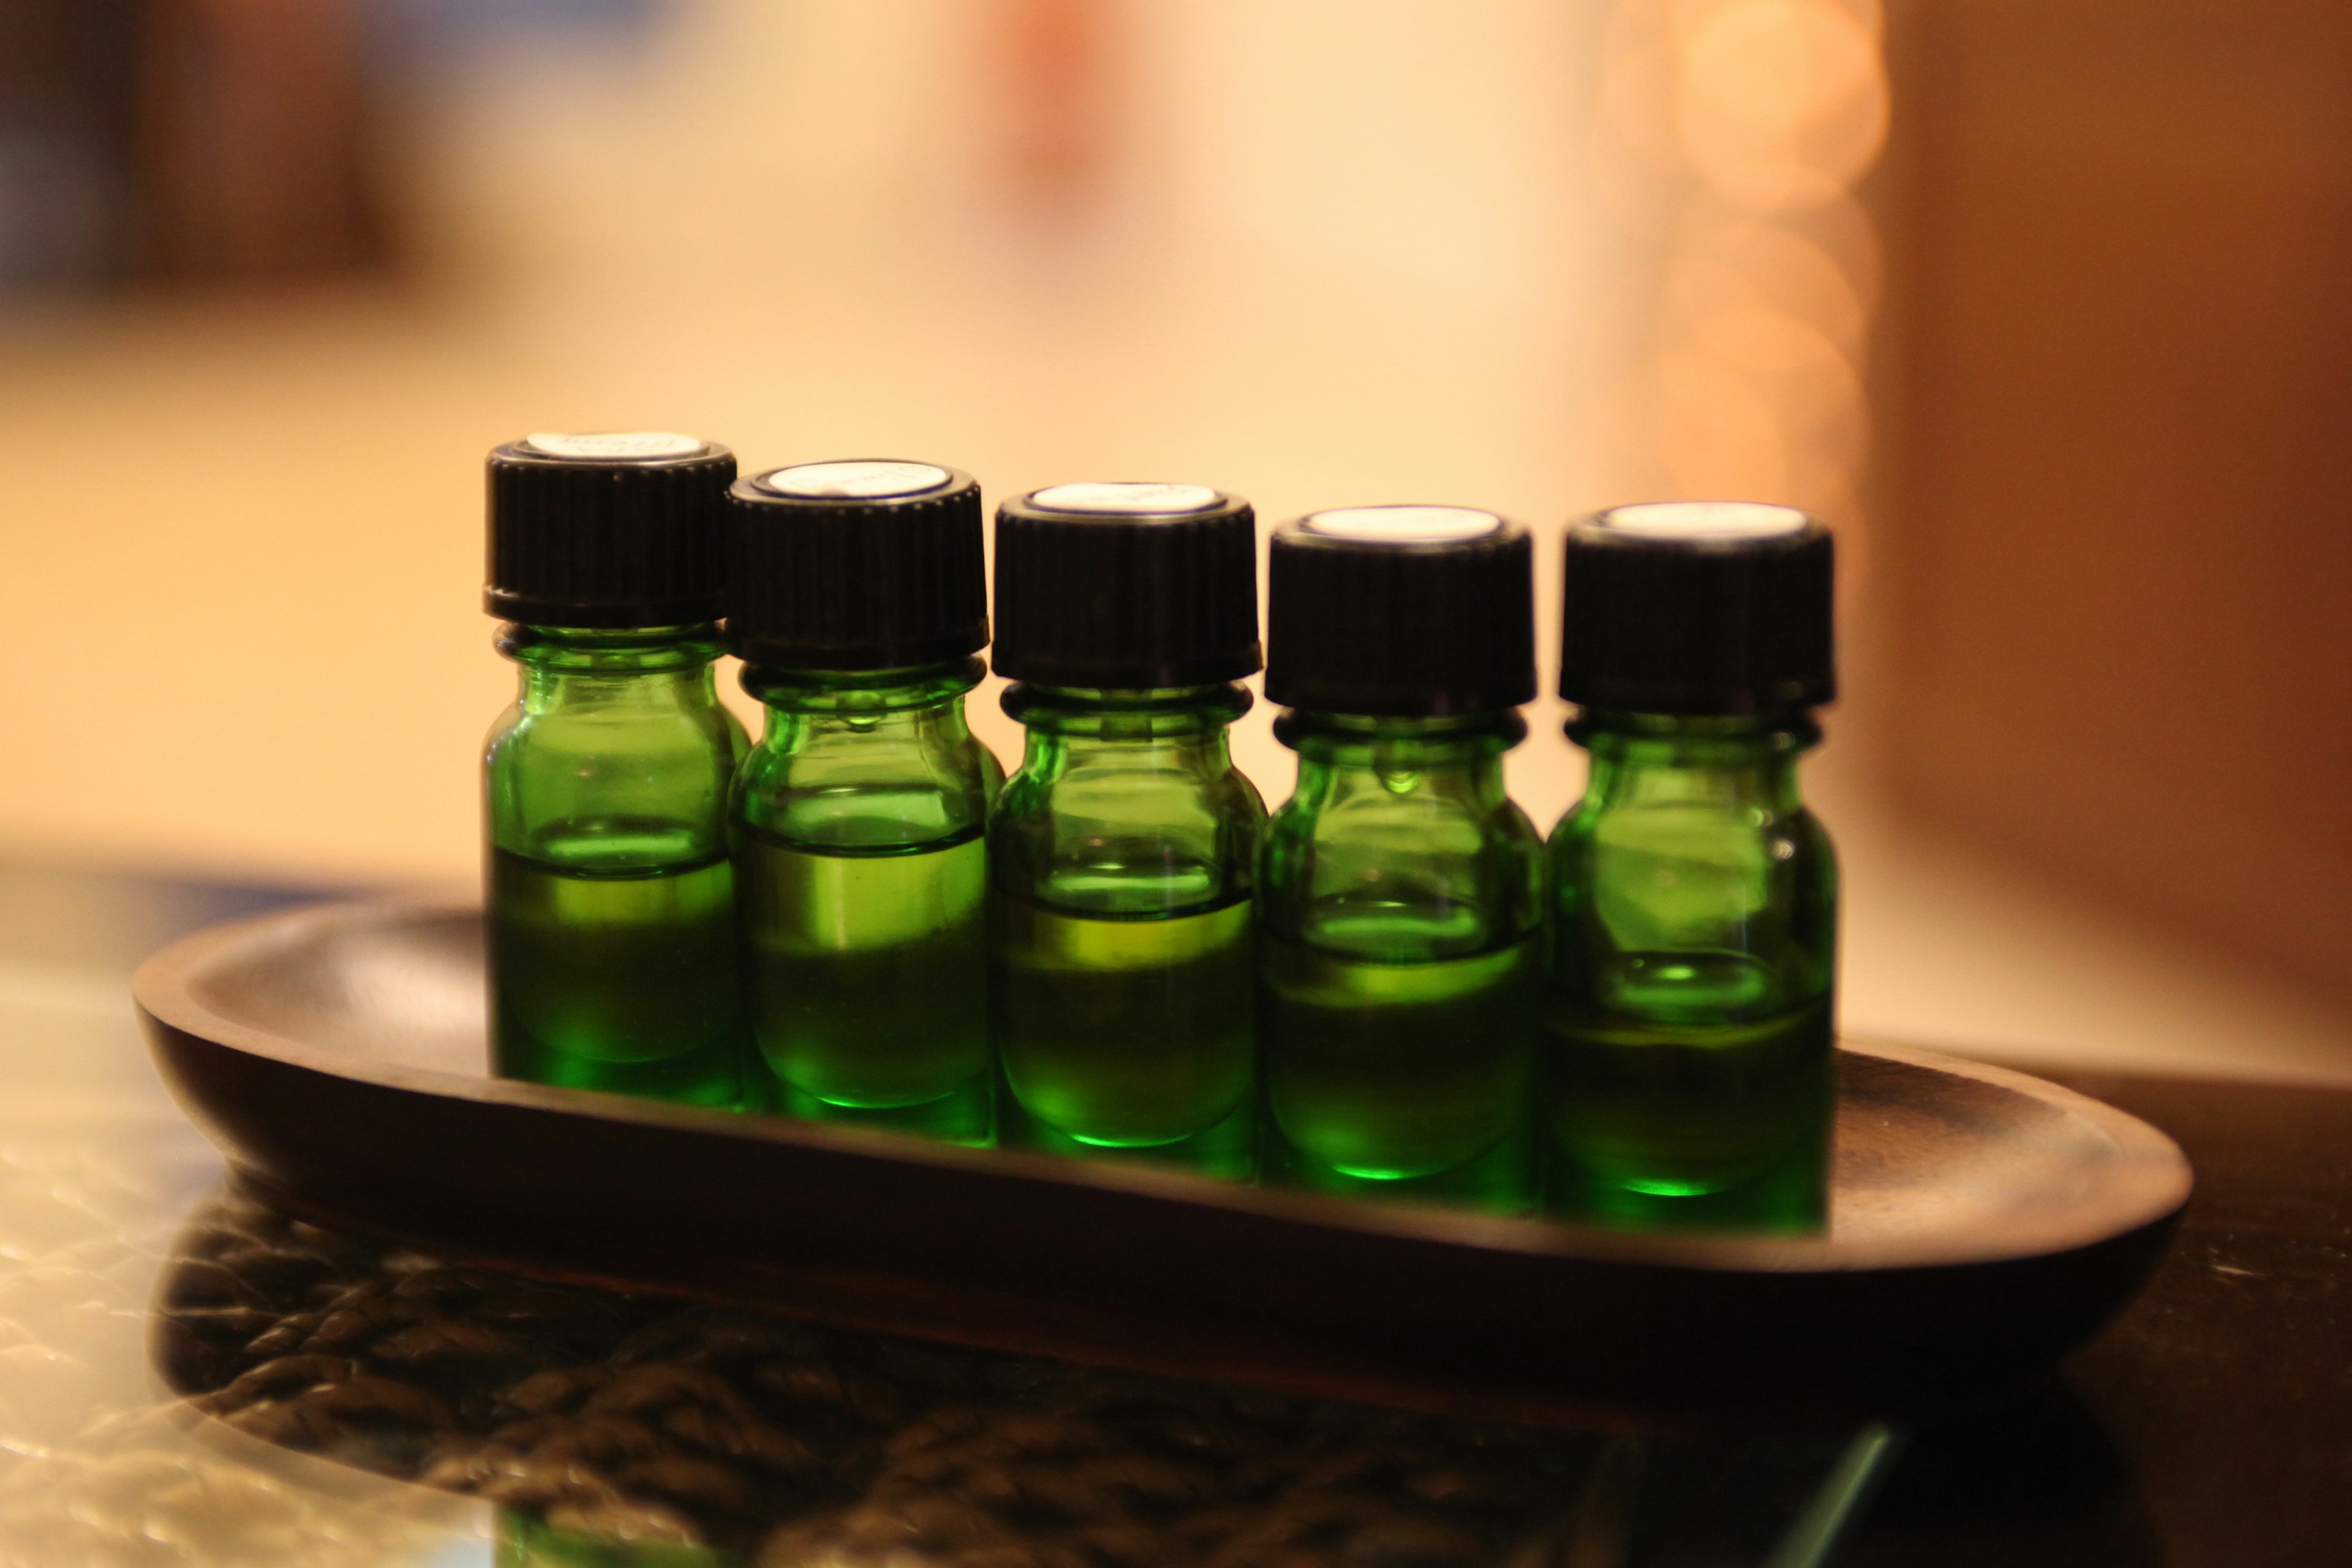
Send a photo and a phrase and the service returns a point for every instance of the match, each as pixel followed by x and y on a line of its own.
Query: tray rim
pixel 166 989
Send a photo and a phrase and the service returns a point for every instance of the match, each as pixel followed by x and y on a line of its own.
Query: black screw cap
pixel 1698 607
pixel 1129 586
pixel 619 530
pixel 871 565
pixel 1402 611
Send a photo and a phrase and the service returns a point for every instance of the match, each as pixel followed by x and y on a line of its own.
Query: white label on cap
pixel 616 445
pixel 1404 524
pixel 855 481
pixel 1125 500
pixel 1705 520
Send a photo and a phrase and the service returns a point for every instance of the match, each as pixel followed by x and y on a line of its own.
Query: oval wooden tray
pixel 1983 1222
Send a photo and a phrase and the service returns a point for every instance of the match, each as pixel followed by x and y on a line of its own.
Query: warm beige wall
pixel 1332 255
pixel 2115 488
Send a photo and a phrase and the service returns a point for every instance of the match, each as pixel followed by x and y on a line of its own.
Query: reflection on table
pixel 690 1433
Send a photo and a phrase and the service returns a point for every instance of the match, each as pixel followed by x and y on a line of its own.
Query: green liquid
pixel 868 972
pixel 1130 1033
pixel 1400 1079
pixel 619 979
pixel 1694 1121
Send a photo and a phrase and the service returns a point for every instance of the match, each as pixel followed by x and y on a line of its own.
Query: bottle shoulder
pixel 1126 841
pixel 630 726
pixel 1664 910
pixel 551 772
pixel 1183 798
pixel 1600 830
pixel 616 746
pixel 1424 821
pixel 787 760
pixel 502 731
pixel 1420 877
pixel 848 790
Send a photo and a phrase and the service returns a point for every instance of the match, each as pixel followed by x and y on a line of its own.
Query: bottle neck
pixel 811 703
pixel 1173 728
pixel 1669 759
pixel 1459 758
pixel 647 666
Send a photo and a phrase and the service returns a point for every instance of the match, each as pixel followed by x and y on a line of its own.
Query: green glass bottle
pixel 1121 854
pixel 860 597
pixel 1398 894
pixel 611 905
pixel 1688 1072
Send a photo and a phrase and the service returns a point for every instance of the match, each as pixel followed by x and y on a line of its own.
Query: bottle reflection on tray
pixel 611 904
pixel 527 1540
pixel 1692 898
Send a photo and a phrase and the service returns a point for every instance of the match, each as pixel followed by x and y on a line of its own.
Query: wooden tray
pixel 1984 1223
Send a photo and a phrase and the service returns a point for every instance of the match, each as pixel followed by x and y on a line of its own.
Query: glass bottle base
pixel 1500 1181
pixel 714 1075
pixel 1691 1125
pixel 1227 1150
pixel 1791 1199
pixel 966 1117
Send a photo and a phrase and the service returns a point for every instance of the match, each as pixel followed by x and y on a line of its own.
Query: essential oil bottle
pixel 612 952
pixel 1692 898
pixel 860 599
pixel 1121 854
pixel 1398 896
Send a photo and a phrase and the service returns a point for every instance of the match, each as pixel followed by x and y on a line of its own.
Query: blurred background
pixel 2040 302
